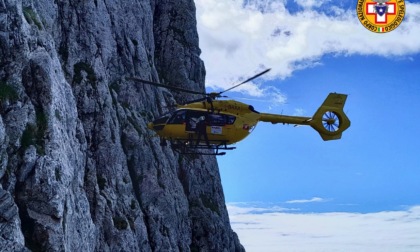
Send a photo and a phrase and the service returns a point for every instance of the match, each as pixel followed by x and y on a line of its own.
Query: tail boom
pixel 329 120
pixel 273 118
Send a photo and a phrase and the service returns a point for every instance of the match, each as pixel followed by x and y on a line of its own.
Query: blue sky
pixel 283 172
pixel 375 166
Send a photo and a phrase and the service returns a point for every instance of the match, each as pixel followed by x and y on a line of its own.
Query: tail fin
pixel 330 120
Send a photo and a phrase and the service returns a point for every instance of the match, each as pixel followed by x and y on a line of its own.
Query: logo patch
pixel 216 130
pixel 380 15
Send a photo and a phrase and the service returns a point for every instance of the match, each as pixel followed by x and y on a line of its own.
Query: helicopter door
pixel 192 118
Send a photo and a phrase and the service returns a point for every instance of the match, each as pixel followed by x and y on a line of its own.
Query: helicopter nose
pixel 150 125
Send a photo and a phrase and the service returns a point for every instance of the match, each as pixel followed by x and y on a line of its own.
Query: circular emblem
pixel 380 15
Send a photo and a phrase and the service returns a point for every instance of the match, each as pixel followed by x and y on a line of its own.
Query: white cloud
pixel 311 3
pixel 237 209
pixel 312 232
pixel 299 112
pixel 239 40
pixel 300 201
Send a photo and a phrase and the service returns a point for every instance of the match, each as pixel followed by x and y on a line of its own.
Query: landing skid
pixel 186 147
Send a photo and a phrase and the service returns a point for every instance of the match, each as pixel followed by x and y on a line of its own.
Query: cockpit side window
pixel 178 117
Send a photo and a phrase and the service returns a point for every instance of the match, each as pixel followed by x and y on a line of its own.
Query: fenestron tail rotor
pixel 331 121
pixel 209 97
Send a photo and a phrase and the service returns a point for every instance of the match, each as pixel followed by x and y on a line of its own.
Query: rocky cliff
pixel 79 170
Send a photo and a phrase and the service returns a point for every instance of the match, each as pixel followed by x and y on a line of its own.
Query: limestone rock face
pixel 79 170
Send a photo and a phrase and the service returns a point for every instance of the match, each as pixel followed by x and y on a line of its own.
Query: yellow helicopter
pixel 207 123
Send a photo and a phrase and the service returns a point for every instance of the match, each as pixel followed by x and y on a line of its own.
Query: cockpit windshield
pixel 161 120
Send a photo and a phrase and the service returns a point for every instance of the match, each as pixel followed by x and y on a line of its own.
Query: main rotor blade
pixel 250 79
pixel 196 100
pixel 165 86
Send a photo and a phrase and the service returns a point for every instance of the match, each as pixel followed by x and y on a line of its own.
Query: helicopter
pixel 210 124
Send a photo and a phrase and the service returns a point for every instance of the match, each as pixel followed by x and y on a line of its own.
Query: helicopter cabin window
pixel 192 117
pixel 230 119
pixel 217 120
pixel 178 117
pixel 221 120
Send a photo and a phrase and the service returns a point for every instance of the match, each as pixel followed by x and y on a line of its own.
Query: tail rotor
pixel 330 120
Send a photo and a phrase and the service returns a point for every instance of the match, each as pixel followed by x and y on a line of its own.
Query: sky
pixel 286 189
